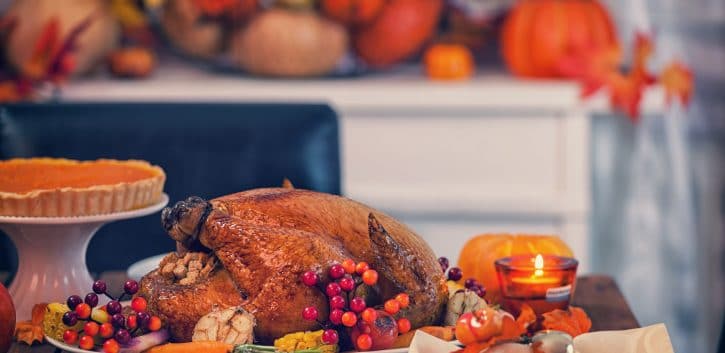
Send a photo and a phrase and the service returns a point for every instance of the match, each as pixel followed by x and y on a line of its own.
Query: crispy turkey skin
pixel 265 239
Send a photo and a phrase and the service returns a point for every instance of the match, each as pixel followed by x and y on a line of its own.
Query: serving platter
pixel 71 349
pixel 64 347
pixel 140 268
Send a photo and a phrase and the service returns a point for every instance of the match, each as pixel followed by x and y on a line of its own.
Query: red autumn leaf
pixel 62 63
pixel 37 66
pixel 643 49
pixel 677 80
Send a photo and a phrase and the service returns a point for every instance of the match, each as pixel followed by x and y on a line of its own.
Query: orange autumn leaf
pixel 526 318
pixel 677 80
pixel 31 330
pixel 510 330
pixel 573 321
pixel 625 94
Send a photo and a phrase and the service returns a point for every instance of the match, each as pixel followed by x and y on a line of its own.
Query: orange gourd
pixel 448 62
pixel 398 32
pixel 539 35
pixel 479 254
pixel 352 11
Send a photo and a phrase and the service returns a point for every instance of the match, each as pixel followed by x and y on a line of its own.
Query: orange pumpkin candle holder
pixel 543 282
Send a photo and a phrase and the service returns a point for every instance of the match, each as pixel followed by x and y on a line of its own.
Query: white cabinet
pixel 493 154
pixel 456 172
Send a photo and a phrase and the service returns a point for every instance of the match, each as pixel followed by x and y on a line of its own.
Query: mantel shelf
pixel 401 89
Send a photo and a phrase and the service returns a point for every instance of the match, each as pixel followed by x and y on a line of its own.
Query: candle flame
pixel 539 266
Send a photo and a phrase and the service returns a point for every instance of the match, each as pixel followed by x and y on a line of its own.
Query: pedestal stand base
pixel 52 255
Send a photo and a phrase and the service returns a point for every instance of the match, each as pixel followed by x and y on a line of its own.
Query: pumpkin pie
pixel 48 187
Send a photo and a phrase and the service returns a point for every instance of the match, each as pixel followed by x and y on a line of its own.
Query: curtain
pixel 658 190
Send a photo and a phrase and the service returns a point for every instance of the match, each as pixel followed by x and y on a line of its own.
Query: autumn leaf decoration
pixel 678 83
pixel 573 321
pixel 599 68
pixel 485 328
pixel 31 331
pixel 51 59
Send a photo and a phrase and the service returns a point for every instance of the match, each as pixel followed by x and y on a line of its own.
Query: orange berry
pixel 349 266
pixel 364 342
pixel 349 319
pixel 111 346
pixel 369 315
pixel 86 342
pixel 138 304
pixel 403 325
pixel 392 306
pixel 91 328
pixel 154 323
pixel 70 337
pixel 361 267
pixel 106 330
pixel 403 299
pixel 370 277
pixel 83 310
pixel 132 322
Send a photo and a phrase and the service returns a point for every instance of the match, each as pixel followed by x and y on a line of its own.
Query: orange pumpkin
pixel 478 255
pixel 538 35
pixel 449 62
pixel 398 32
pixel 352 11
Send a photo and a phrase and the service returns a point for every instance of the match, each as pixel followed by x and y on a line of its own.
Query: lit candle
pixel 544 282
pixel 538 276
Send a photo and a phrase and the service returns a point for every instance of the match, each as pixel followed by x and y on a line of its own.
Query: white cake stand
pixel 52 255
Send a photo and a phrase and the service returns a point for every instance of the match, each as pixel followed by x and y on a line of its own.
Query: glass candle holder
pixel 544 282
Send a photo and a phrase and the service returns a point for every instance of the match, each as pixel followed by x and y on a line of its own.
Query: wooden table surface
pixel 599 296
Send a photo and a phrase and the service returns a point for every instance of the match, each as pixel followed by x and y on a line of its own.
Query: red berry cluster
pixel 110 326
pixel 348 310
pixel 455 274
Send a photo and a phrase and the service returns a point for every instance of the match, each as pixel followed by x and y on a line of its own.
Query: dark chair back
pixel 206 150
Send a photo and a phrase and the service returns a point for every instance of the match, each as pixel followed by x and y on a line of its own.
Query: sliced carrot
pixel 192 347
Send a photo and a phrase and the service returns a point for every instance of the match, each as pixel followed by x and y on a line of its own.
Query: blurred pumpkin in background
pixel 184 28
pixel 399 31
pixel 99 39
pixel 480 252
pixel 293 43
pixel 449 62
pixel 352 11
pixel 539 35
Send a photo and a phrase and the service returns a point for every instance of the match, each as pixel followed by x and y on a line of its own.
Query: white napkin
pixel 650 339
pixel 425 343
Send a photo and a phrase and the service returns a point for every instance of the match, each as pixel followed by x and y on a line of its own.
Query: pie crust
pixel 49 187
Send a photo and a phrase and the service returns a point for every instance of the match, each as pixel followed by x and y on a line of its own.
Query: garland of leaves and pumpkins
pixel 539 38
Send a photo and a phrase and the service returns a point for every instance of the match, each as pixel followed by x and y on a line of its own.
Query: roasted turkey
pixel 249 249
